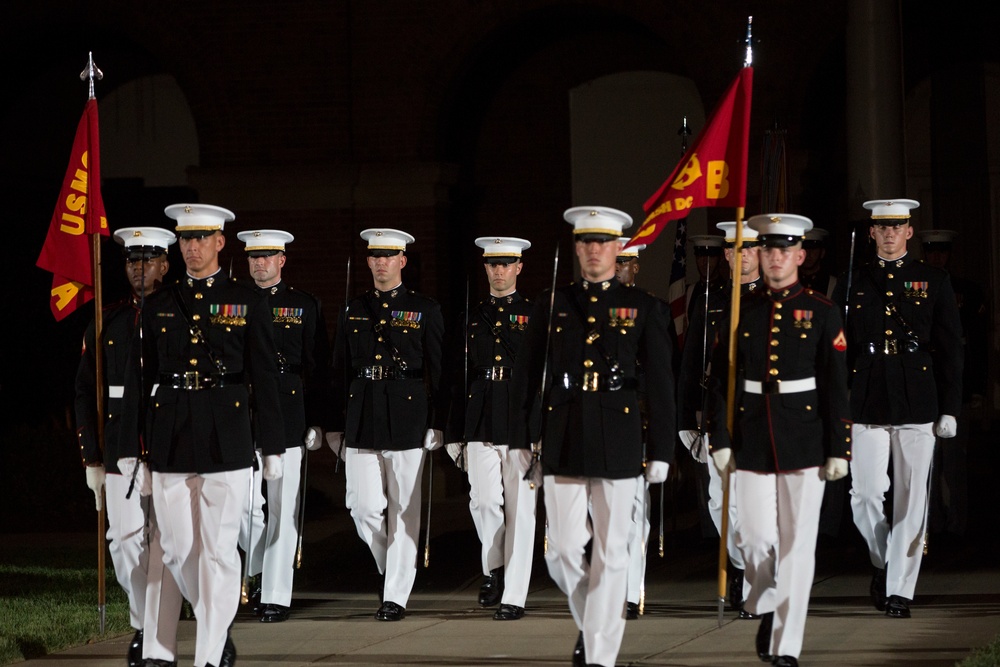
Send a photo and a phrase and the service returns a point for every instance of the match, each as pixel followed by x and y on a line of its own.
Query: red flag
pixel 79 214
pixel 713 172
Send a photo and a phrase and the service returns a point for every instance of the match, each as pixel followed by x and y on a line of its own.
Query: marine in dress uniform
pixel 388 352
pixel 905 353
pixel 134 544
pixel 206 341
pixel 708 252
pixel 949 489
pixel 704 326
pixel 502 503
pixel 626 269
pixel 591 435
pixel 791 432
pixel 303 350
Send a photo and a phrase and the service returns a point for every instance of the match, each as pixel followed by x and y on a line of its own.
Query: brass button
pixel 378 357
pixel 773 371
pixel 293 392
pixel 497 340
pixel 587 363
pixel 775 329
pixel 889 275
pixel 194 317
pixel 626 409
pixel 888 332
pixel 593 299
pixel 380 339
pixel 237 404
pixel 385 305
pixel 778 306
pixel 500 309
pixel 591 319
pixel 497 324
pixel 193 362
pixel 774 357
pixel 497 358
pixel 809 407
pixel 199 295
pixel 774 343
pixel 194 341
pixel 888 293
pixel 777 316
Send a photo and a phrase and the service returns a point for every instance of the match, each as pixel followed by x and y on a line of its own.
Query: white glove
pixel 272 467
pixel 143 480
pixel 456 451
pixel 696 443
pixel 946 427
pixel 656 471
pixel 335 440
pixel 314 438
pixel 433 439
pixel 95 482
pixel 835 469
pixel 723 459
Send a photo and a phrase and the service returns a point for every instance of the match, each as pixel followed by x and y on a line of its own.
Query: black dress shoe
pixel 764 636
pixel 134 655
pixel 274 613
pixel 492 589
pixel 877 588
pixel 747 616
pixel 508 612
pixel 156 662
pixel 785 661
pixel 631 611
pixel 736 590
pixel 579 659
pixel 254 602
pixel 897 607
pixel 228 658
pixel 389 611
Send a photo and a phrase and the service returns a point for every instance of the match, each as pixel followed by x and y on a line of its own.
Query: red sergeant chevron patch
pixel 840 342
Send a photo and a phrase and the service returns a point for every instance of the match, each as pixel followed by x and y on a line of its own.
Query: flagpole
pixel 90 73
pixel 734 320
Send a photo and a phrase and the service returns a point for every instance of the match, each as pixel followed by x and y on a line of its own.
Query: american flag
pixel 678 281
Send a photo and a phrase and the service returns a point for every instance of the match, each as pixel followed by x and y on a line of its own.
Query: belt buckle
pixel 591 381
pixel 891 346
pixel 770 387
pixel 377 372
pixel 192 380
pixel 498 373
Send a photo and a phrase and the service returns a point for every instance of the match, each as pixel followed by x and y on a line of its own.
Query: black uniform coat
pixel 698 342
pixel 118 325
pixel 908 387
pixel 496 330
pixel 790 334
pixel 208 430
pixel 389 414
pixel 301 338
pixel 596 433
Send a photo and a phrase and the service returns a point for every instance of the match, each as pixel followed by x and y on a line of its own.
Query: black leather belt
pixel 891 346
pixel 389 373
pixel 494 373
pixel 290 368
pixel 596 382
pixel 196 380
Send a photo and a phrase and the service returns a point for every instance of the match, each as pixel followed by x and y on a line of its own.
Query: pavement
pixel 956 607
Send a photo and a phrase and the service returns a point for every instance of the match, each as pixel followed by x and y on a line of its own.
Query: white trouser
pixel 252 528
pixel 486 499
pixel 383 494
pixel 163 602
pixel 900 548
pixel 199 528
pixel 778 523
pixel 519 512
pixel 596 591
pixel 127 533
pixel 638 538
pixel 715 510
pixel 282 531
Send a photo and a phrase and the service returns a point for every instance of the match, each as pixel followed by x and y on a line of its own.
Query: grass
pixel 987 656
pixel 48 600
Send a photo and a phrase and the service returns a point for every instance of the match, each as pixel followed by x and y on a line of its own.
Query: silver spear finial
pixel 749 43
pixel 89 73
